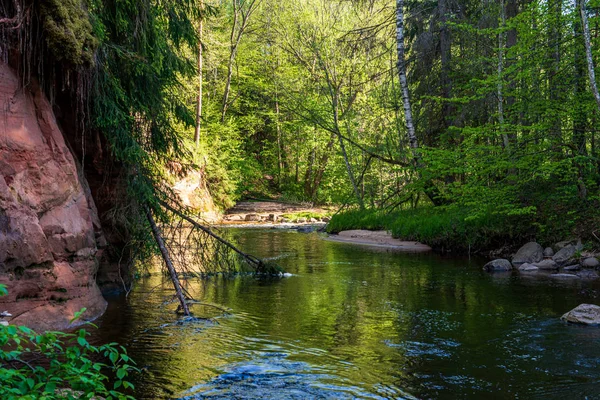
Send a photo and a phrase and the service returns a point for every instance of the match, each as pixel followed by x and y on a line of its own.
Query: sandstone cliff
pixel 49 229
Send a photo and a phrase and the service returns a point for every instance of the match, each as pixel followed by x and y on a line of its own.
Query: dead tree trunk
pixel 167 259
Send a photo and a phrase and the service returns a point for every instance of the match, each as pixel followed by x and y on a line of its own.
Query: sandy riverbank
pixel 378 239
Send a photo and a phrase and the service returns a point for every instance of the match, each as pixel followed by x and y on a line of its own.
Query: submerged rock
pixel 590 262
pixel 587 314
pixel 531 253
pixel 564 276
pixel 500 264
pixel 575 267
pixel 306 229
pixel 587 274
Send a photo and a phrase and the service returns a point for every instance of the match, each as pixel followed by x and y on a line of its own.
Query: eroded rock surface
pixel 588 314
pixel 49 228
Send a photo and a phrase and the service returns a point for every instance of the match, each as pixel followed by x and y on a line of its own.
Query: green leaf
pixel 121 372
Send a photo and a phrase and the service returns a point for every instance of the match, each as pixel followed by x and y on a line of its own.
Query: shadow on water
pixel 353 322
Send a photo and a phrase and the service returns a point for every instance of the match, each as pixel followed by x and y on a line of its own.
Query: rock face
pixel 498 265
pixel 49 227
pixel 565 256
pixel 588 314
pixel 530 253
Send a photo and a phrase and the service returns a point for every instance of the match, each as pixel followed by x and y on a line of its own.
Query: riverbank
pixel 381 239
pixel 457 231
pixel 248 214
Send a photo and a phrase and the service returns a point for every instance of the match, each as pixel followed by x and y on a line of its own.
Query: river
pixel 356 322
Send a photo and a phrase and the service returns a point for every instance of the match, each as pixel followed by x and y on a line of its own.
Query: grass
pixel 446 229
pixel 294 217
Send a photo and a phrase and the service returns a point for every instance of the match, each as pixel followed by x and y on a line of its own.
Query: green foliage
pixel 68 31
pixel 58 365
pixel 445 228
pixel 294 217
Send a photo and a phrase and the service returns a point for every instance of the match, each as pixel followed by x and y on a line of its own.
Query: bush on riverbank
pixel 455 229
pixel 58 365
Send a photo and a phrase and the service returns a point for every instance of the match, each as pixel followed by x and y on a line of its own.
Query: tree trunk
pixel 200 82
pixel 511 11
pixel 446 61
pixel 401 65
pixel 167 259
pixel 554 39
pixel 579 117
pixel 501 44
pixel 588 52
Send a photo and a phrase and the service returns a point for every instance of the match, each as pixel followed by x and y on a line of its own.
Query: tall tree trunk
pixel 233 43
pixel 167 259
pixel 588 51
pixel 554 90
pixel 280 165
pixel 501 44
pixel 579 117
pixel 511 11
pixel 446 59
pixel 401 66
pixel 200 81
pixel 413 142
pixel 336 122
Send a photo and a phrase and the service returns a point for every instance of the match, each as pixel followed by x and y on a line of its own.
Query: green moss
pixel 68 31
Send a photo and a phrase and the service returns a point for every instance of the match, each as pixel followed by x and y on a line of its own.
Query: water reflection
pixel 357 323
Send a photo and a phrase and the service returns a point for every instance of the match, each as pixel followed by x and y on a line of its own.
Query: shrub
pixel 58 365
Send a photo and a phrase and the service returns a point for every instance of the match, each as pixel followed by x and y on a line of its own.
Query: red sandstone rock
pixel 47 241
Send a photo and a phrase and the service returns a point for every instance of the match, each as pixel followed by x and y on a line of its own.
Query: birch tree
pixel 588 51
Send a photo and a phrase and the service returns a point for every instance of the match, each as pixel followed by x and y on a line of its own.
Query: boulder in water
pixel 587 314
pixel 526 267
pixel 498 265
pixel 566 255
pixel 590 262
pixel 548 252
pixel 531 253
pixel 546 264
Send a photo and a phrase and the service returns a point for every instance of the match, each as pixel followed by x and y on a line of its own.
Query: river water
pixel 357 322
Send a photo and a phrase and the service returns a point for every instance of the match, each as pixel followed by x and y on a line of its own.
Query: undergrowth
pixel 451 228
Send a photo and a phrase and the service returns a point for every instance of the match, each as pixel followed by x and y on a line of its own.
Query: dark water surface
pixel 355 322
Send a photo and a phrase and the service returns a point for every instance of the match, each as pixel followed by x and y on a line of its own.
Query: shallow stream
pixel 356 322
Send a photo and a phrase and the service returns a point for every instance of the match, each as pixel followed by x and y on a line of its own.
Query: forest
pixel 470 126
pixel 483 111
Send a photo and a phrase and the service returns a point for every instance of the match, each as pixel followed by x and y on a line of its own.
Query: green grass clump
pixel 453 229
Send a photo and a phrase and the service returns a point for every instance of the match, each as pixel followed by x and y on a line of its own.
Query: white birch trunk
pixel 588 51
pixel 401 65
